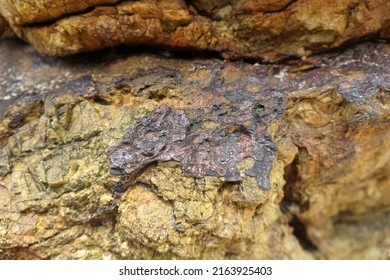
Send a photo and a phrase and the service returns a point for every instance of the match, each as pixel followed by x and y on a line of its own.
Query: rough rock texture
pixel 5 30
pixel 33 11
pixel 269 30
pixel 325 120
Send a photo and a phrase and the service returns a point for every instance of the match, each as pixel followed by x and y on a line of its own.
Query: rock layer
pixel 269 30
pixel 329 179
pixel 33 11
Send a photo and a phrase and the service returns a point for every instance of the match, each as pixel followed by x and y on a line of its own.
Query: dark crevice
pixel 292 204
pixel 192 5
pixel 102 100
pixel 123 51
pixel 98 218
pixel 231 256
pixel 222 4
pixel 292 178
pixel 300 232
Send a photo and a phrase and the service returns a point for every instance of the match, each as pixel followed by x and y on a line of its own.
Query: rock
pixel 33 11
pixel 3 24
pixel 323 124
pixel 269 30
pixel 5 30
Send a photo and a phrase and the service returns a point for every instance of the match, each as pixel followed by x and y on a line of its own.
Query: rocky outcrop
pixel 144 157
pixel 269 30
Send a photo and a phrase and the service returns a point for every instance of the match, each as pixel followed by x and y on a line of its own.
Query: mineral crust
pixel 221 160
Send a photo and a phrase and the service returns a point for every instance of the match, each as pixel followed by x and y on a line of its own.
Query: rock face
pixel 5 30
pixel 269 30
pixel 33 11
pixel 216 160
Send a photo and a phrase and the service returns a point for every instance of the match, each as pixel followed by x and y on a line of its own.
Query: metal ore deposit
pixel 170 151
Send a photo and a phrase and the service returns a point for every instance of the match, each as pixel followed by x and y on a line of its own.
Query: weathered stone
pixel 33 11
pixel 328 117
pixel 270 30
pixel 5 30
pixel 3 25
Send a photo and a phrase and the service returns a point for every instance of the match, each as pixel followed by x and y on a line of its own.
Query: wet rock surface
pixel 311 133
pixel 269 30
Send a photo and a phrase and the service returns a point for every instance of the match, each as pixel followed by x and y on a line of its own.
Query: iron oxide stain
pixel 170 134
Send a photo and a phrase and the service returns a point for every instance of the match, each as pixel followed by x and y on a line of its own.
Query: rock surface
pixel 325 122
pixel 269 30
pixel 5 30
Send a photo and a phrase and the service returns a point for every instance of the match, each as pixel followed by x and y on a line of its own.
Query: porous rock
pixel 328 119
